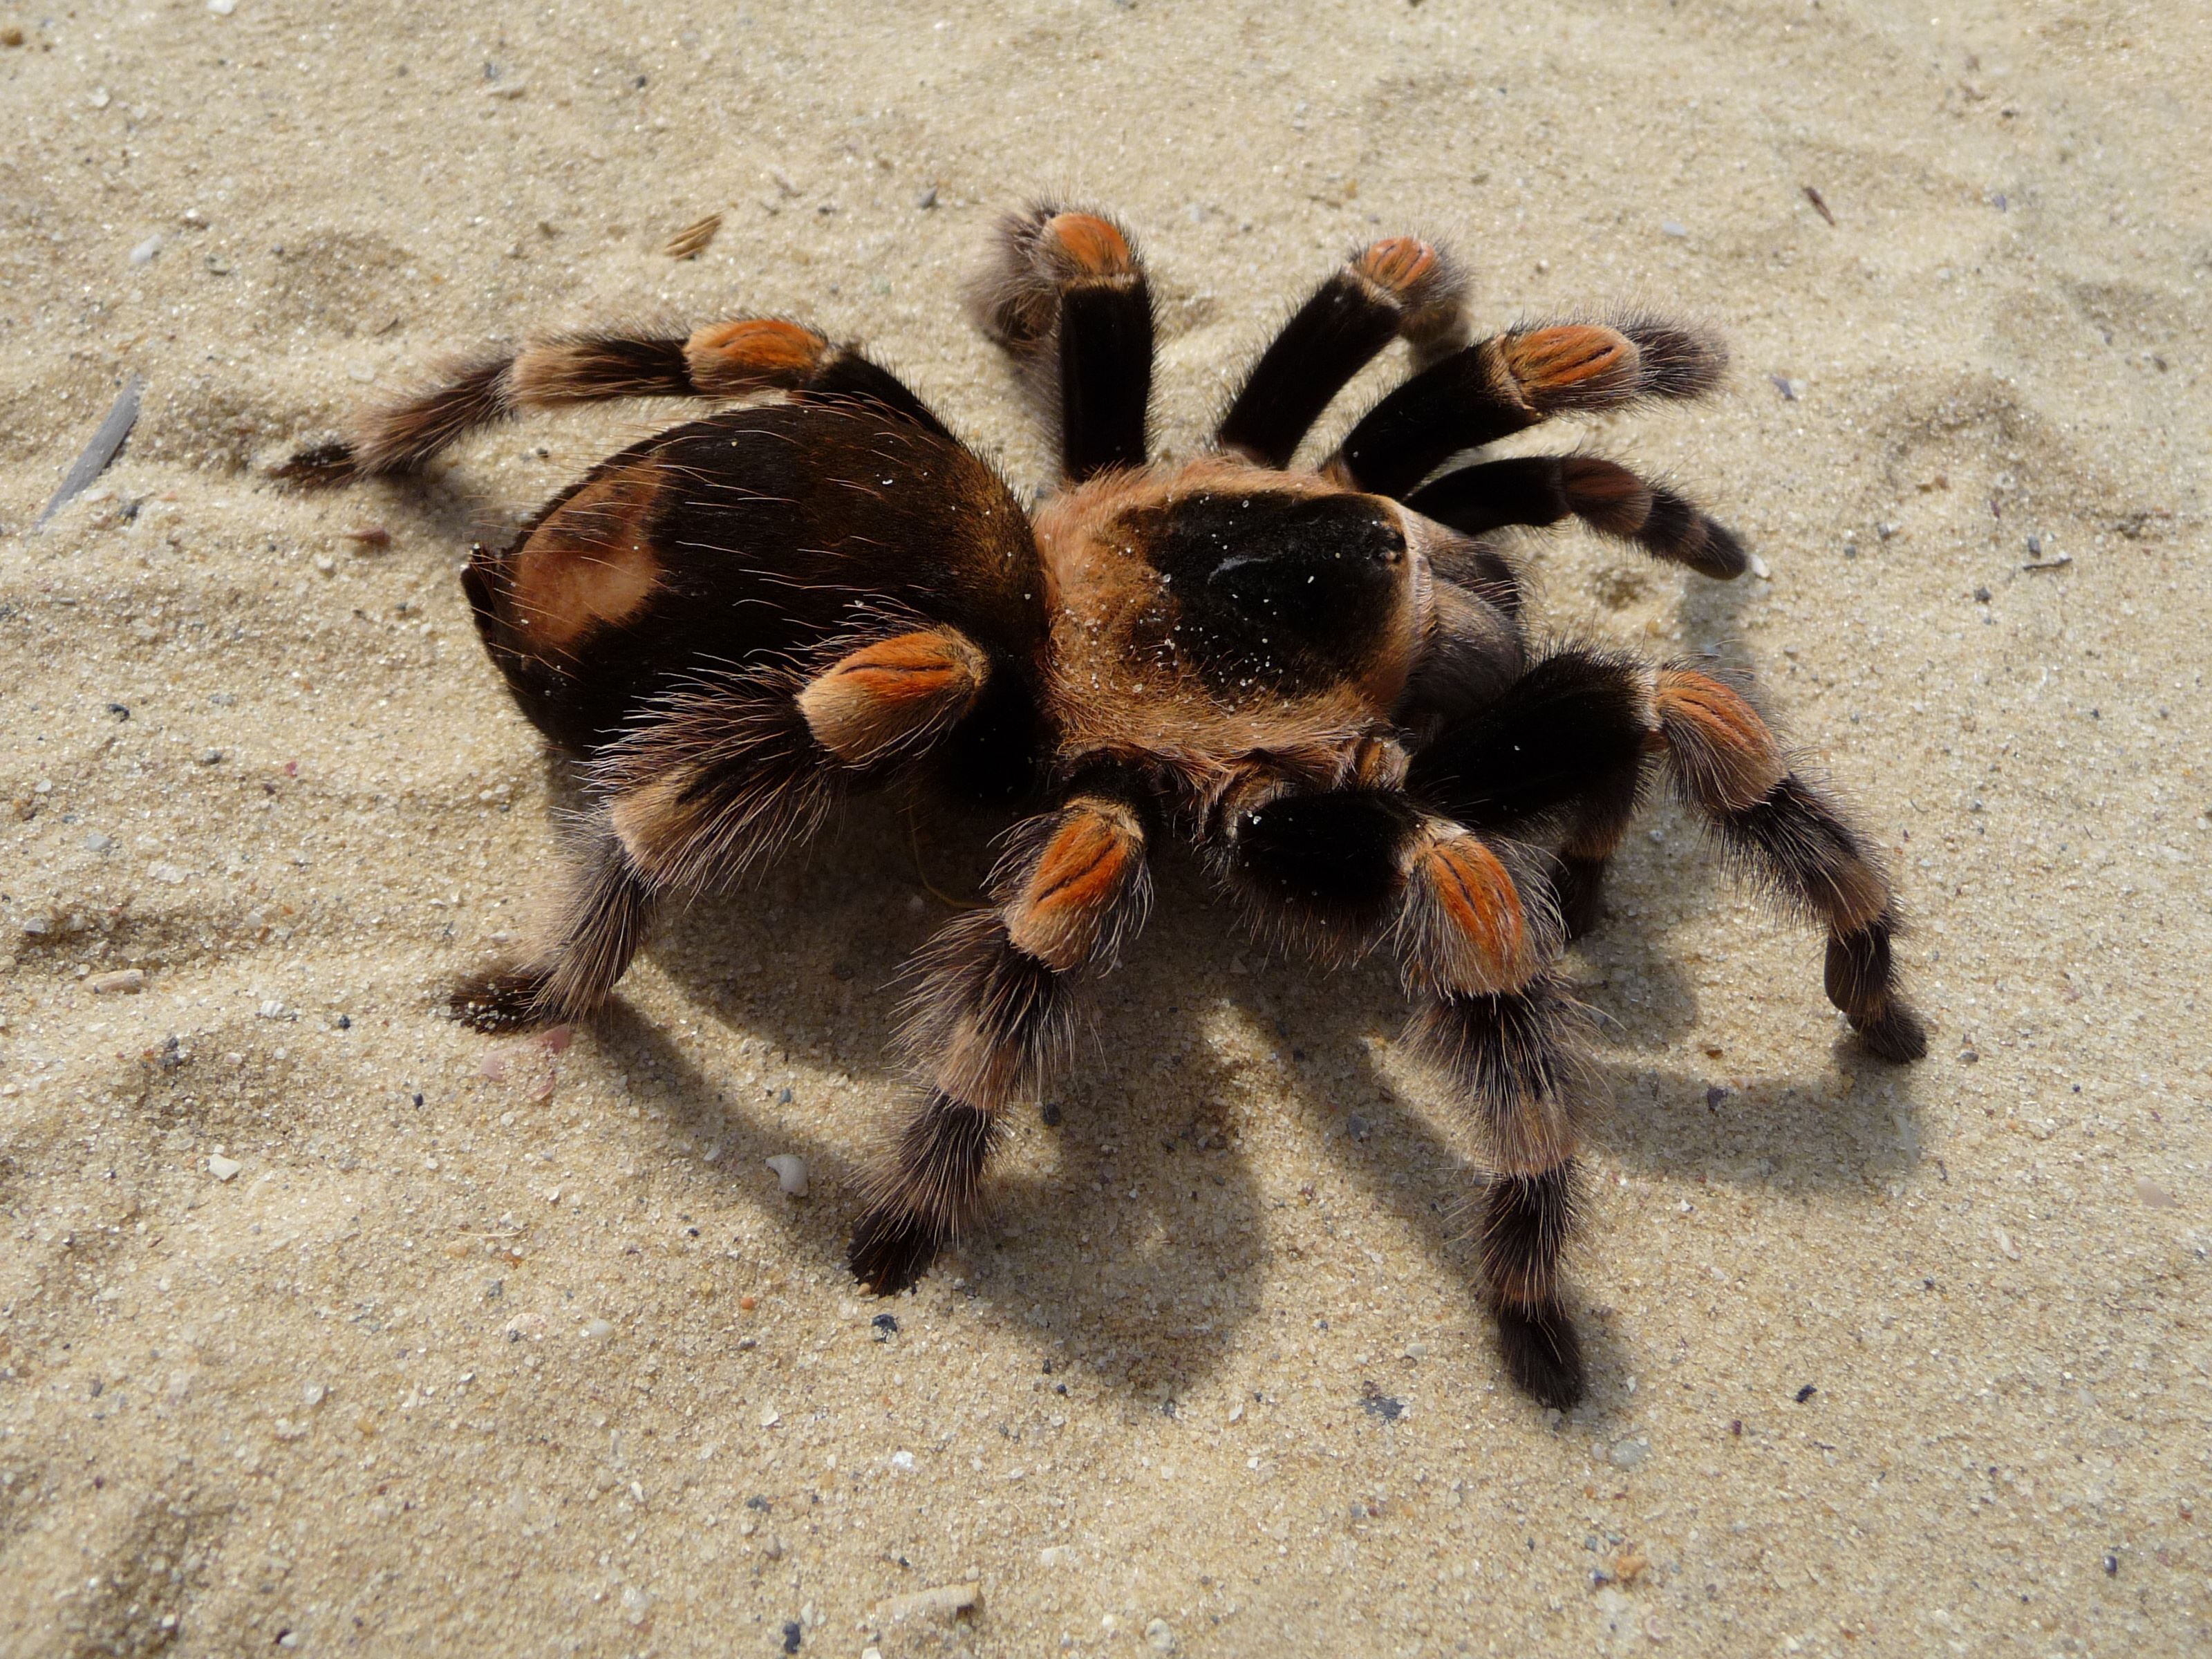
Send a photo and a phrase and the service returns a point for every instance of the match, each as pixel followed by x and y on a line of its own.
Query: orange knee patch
pixel 1095 246
pixel 1570 364
pixel 886 697
pixel 1398 265
pixel 1722 750
pixel 1066 906
pixel 1472 933
pixel 590 565
pixel 729 359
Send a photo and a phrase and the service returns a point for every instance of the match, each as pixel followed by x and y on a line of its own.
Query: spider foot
pixel 1542 1353
pixel 508 1000
pixel 891 1250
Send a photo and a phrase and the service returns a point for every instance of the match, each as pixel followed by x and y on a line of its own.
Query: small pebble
pixel 885 1326
pixel 1806 1392
pixel 927 198
pixel 368 536
pixel 2148 1192
pixel 326 563
pixel 598 1329
pixel 1159 1637
pixel 144 252
pixel 1759 568
pixel 1628 1454
pixel 96 842
pixel 790 1173
pixel 1671 228
pixel 222 7
pixel 1381 1406
pixel 222 1167
pixel 128 981
pixel 943 1602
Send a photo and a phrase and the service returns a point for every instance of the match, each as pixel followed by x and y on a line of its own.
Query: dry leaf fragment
pixel 692 239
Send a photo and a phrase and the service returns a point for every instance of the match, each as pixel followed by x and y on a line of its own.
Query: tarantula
pixel 1317 678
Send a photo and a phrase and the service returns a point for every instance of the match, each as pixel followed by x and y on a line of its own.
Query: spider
pixel 1317 678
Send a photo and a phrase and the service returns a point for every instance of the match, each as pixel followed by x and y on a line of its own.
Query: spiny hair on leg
pixel 985 1020
pixel 1519 1060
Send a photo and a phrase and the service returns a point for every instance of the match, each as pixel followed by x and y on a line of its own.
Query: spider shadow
pixel 1096 1247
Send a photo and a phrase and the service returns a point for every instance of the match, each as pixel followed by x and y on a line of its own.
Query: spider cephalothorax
pixel 1316 678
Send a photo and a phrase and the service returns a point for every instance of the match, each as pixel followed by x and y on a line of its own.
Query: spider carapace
pixel 1318 678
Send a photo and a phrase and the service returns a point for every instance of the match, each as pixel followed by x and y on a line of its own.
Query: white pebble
pixel 1627 1454
pixel 1759 568
pixel 943 1602
pixel 790 1173
pixel 1159 1638
pixel 123 982
pixel 222 1167
pixel 598 1329
pixel 222 7
pixel 770 1418
pixel 326 563
pixel 1669 228
pixel 144 252
pixel 311 1395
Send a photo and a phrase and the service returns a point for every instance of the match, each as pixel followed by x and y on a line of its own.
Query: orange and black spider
pixel 1316 678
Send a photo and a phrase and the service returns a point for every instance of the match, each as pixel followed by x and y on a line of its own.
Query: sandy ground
pixel 490 1346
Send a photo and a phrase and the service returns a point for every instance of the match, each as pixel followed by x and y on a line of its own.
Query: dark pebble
pixel 1806 1392
pixel 2111 1566
pixel 1377 1404
pixel 1051 1116
pixel 791 1636
pixel 886 1327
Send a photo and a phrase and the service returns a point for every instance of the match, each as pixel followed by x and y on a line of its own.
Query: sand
pixel 327 1324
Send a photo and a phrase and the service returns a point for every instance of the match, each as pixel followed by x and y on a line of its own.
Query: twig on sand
pixel 106 444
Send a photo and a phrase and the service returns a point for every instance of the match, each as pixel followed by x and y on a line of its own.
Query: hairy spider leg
pixel 718 779
pixel 1571 744
pixel 1400 287
pixel 1510 381
pixel 990 1014
pixel 1066 294
pixel 1541 490
pixel 724 360
pixel 1470 918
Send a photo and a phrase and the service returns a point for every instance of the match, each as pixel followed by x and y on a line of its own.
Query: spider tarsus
pixel 319 466
pixel 891 1249
pixel 1543 1355
pixel 1896 1034
pixel 503 1000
